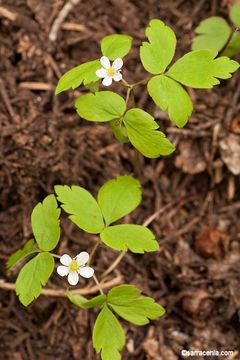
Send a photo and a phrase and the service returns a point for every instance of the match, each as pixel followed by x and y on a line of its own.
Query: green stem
pixel 92 253
pixel 55 255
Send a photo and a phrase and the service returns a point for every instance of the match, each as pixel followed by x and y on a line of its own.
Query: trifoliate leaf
pixel 119 131
pixel 33 276
pixel 125 300
pixel 108 335
pixel 45 223
pixel 136 238
pixel 84 73
pixel 157 54
pixel 84 303
pixel 235 14
pixel 171 96
pixel 143 134
pixel 213 33
pixel 200 69
pixel 118 197
pixel 116 46
pixel 233 47
pixel 82 207
pixel 101 106
pixel 28 249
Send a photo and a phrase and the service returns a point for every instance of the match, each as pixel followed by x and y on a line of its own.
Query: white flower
pixel 110 72
pixel 75 267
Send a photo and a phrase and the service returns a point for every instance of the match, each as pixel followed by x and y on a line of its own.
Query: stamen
pixel 111 71
pixel 74 266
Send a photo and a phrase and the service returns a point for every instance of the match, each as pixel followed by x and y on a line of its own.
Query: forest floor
pixel 43 142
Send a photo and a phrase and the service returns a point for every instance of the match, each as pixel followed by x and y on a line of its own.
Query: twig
pixel 232 108
pixel 36 86
pixel 62 293
pixel 60 18
pixel 73 27
pixel 3 93
pixel 7 14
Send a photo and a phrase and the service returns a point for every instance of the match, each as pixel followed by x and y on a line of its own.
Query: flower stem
pixel 114 264
pixel 98 285
pixel 55 255
pixel 92 253
pixel 141 82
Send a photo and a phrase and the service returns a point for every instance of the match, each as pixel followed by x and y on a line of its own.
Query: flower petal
pixel 117 64
pixel 101 73
pixel 82 258
pixel 117 77
pixel 105 62
pixel 65 260
pixel 73 278
pixel 62 270
pixel 86 271
pixel 107 81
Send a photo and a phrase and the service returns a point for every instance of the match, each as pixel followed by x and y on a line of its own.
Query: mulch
pixel 43 142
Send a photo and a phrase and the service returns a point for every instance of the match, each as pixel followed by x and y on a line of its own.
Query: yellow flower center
pixel 111 71
pixel 74 266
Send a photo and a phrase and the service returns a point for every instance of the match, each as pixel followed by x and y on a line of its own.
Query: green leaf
pixel 235 14
pixel 119 131
pixel 143 134
pixel 45 223
pixel 200 69
pixel 28 249
pixel 118 197
pixel 157 54
pixel 233 47
pixel 213 33
pixel 116 46
pixel 82 207
pixel 33 276
pixel 93 86
pixel 84 73
pixel 101 106
pixel 84 303
pixel 125 300
pixel 171 96
pixel 108 335
pixel 136 238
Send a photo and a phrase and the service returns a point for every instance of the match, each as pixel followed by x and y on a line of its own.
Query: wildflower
pixel 110 72
pixel 72 268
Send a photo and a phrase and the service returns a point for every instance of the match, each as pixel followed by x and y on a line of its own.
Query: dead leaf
pixel 212 242
pixel 151 347
pixel 190 159
pixel 198 303
pixel 230 153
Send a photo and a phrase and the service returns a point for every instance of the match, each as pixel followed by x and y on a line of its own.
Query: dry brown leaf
pixel 230 153
pixel 212 242
pixel 190 159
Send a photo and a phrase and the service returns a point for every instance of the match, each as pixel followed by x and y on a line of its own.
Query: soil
pixel 43 142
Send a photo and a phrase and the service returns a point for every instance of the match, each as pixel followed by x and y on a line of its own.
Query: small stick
pixel 36 86
pixel 73 27
pixel 3 93
pixel 60 18
pixel 7 14
pixel 62 293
